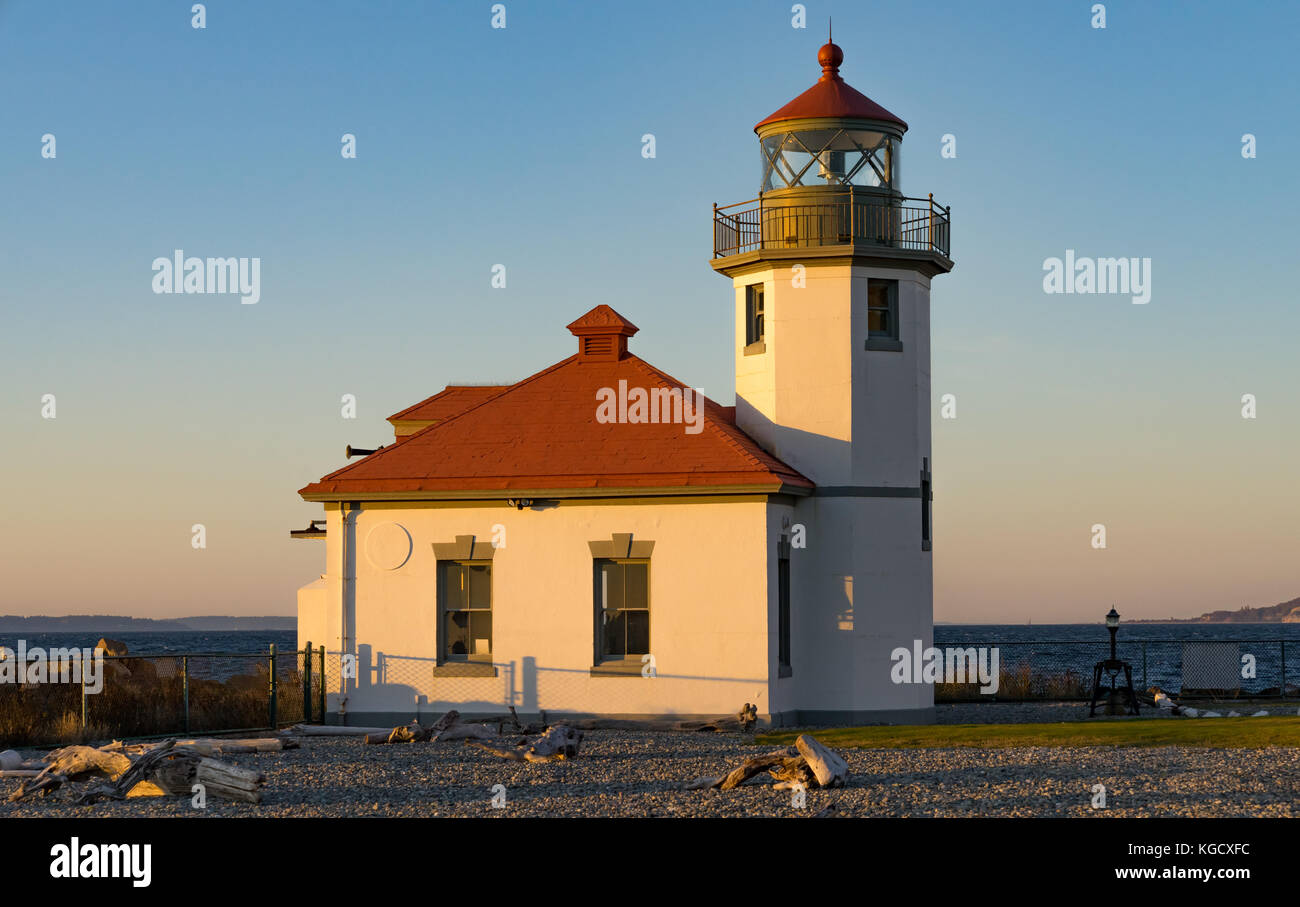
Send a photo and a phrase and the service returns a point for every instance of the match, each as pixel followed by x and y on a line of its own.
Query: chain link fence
pixel 1190 669
pixel 157 695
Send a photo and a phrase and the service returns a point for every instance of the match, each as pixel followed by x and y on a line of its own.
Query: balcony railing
pixel 843 220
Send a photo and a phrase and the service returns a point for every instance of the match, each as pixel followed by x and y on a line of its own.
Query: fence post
pixel 273 686
pixel 322 684
pixel 306 683
pixel 1283 687
pixel 84 665
pixel 185 688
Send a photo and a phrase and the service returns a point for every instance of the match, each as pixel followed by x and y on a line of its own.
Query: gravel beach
pixel 641 773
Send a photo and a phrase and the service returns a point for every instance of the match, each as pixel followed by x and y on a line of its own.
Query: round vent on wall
pixel 388 546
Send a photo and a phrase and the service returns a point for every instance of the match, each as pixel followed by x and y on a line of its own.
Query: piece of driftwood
pixel 408 733
pixel 446 721
pixel 72 763
pixel 178 775
pixel 215 746
pixel 139 770
pixel 334 730
pixel 793 770
pixel 464 732
pixel 752 766
pixel 807 764
pixel 748 717
pixel 171 770
pixel 828 767
pixel 555 745
pixel 449 728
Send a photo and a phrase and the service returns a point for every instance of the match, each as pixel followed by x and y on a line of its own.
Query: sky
pixel 522 146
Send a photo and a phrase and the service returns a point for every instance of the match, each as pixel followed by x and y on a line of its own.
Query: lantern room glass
pixel 830 157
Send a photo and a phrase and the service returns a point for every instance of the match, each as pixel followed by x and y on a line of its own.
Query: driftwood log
pixel 446 721
pixel 178 775
pixel 334 730
pixel 168 769
pixel 555 745
pixel 157 769
pixel 827 766
pixel 755 764
pixel 72 763
pixel 464 732
pixel 409 733
pixel 211 746
pixel 446 728
pixel 808 764
pixel 748 717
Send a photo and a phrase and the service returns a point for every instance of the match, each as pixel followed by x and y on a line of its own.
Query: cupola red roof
pixel 831 97
pixel 602 335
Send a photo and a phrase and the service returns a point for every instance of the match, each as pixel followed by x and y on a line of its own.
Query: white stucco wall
pixel 853 420
pixel 708 592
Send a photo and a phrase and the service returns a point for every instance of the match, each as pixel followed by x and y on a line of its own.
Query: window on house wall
pixel 783 607
pixel 465 605
pixel 622 608
pixel 925 504
pixel 753 314
pixel 882 315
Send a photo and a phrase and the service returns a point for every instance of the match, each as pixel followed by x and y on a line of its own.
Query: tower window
pixel 882 315
pixel 754 319
pixel 925 504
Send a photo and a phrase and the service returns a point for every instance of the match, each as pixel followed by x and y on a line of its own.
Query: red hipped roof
pixel 831 96
pixel 448 402
pixel 543 434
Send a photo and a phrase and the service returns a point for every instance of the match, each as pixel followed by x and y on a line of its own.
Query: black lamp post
pixel 1112 624
pixel 1112 666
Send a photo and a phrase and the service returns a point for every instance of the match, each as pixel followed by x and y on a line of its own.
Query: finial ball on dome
pixel 830 57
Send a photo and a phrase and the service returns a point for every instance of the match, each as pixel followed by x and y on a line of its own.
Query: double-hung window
pixel 622 609
pixel 465 606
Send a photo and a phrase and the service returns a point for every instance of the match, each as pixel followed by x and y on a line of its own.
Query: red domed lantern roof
pixel 832 97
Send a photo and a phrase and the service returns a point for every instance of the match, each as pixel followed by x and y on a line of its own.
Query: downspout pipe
pixel 347 512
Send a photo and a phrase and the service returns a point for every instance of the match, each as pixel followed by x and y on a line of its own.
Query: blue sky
pixel 521 146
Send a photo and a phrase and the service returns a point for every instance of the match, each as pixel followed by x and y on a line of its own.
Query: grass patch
pixel 1208 732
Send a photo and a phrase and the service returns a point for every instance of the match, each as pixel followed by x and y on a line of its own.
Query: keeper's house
pixel 599 540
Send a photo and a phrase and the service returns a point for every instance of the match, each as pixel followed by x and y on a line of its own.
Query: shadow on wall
pixel 400 683
pixel 812 454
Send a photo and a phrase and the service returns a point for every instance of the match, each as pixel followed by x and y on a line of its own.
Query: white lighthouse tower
pixel 831 266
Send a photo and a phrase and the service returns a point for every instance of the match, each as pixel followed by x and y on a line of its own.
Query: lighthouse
pixel 831 267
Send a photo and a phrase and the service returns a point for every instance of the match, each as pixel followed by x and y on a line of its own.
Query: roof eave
pixel 767 488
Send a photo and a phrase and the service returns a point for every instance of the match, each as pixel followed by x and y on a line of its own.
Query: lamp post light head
pixel 1113 666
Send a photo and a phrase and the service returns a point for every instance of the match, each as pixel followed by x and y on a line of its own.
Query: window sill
pixel 885 344
pixel 756 348
pixel 465 669
pixel 617 669
pixel 784 671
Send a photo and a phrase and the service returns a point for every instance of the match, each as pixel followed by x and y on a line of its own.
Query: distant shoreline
pixel 113 623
